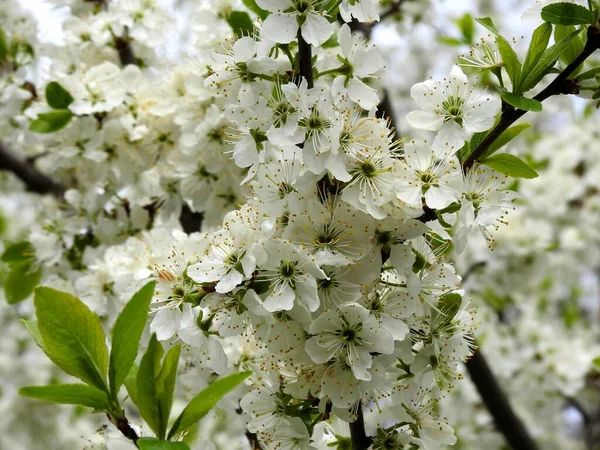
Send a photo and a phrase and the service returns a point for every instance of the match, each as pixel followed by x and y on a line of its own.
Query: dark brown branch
pixel 506 420
pixel 360 440
pixel 395 8
pixel 125 428
pixel 123 46
pixel 28 174
pixel 305 59
pixel 190 221
pixel 560 85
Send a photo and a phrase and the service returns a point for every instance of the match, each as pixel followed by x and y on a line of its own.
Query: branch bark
pixel 360 440
pixel 28 174
pixel 305 59
pixel 507 422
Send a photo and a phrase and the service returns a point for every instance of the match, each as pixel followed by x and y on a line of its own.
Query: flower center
pixel 453 108
pixel 287 269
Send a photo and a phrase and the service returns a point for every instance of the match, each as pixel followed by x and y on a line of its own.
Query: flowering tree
pixel 248 223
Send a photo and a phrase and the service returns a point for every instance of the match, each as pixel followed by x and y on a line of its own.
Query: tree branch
pixel 395 8
pixel 124 427
pixel 28 174
pixel 507 422
pixel 560 85
pixel 123 46
pixel 305 59
pixel 360 440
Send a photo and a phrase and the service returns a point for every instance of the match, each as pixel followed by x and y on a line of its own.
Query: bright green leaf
pixel 130 383
pixel 253 6
pixel 202 403
pixel 3 45
pixel 19 252
pixel 147 389
pixel 57 96
pixel 575 46
pixel 566 14
pixel 546 62
pixel 70 394
pixel 510 60
pixel 21 281
pixel 155 444
pixel 51 121
pixel 589 74
pixel 72 335
pixel 449 304
pixel 34 331
pixel 447 40
pixel 240 23
pixel 510 165
pixel 537 46
pixel 126 335
pixel 505 138
pixel 466 24
pixel 488 23
pixel 166 384
pixel 524 103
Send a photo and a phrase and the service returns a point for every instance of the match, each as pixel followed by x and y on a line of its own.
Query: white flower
pixel 451 108
pixel 291 277
pixel 266 405
pixel 289 15
pixel 428 174
pixel 351 333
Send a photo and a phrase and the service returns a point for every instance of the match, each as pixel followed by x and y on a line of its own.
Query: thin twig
pixel 305 59
pixel 360 440
pixel 28 174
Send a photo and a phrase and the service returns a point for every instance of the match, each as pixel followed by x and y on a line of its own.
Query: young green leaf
pixel 34 331
pixel 566 14
pixel 510 165
pixel 575 46
pixel 166 385
pixel 147 389
pixel 19 252
pixel 448 305
pixel 126 335
pixel 155 444
pixel 3 45
pixel 21 281
pixel 546 62
pixel 130 383
pixel 240 23
pixel 589 74
pixel 466 24
pixel 72 335
pixel 537 46
pixel 524 103
pixel 253 6
pixel 51 121
pixel 70 394
pixel 488 23
pixel 505 138
pixel 510 60
pixel 57 96
pixel 202 403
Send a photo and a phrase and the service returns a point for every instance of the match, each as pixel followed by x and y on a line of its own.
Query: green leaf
pixel 510 165
pixel 566 14
pixel 253 6
pixel 57 96
pixel 331 42
pixel 130 383
pixel 505 138
pixel 202 403
pixel 126 335
pixel 537 46
pixel 240 23
pixel 510 60
pixel 34 331
pixel 155 444
pixel 51 121
pixel 166 385
pixel 21 281
pixel 447 40
pixel 70 394
pixel 19 252
pixel 488 23
pixel 524 103
pixel 3 45
pixel 448 305
pixel 596 362
pixel 546 62
pixel 147 389
pixel 466 24
pixel 72 335
pixel 589 74
pixel 575 46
